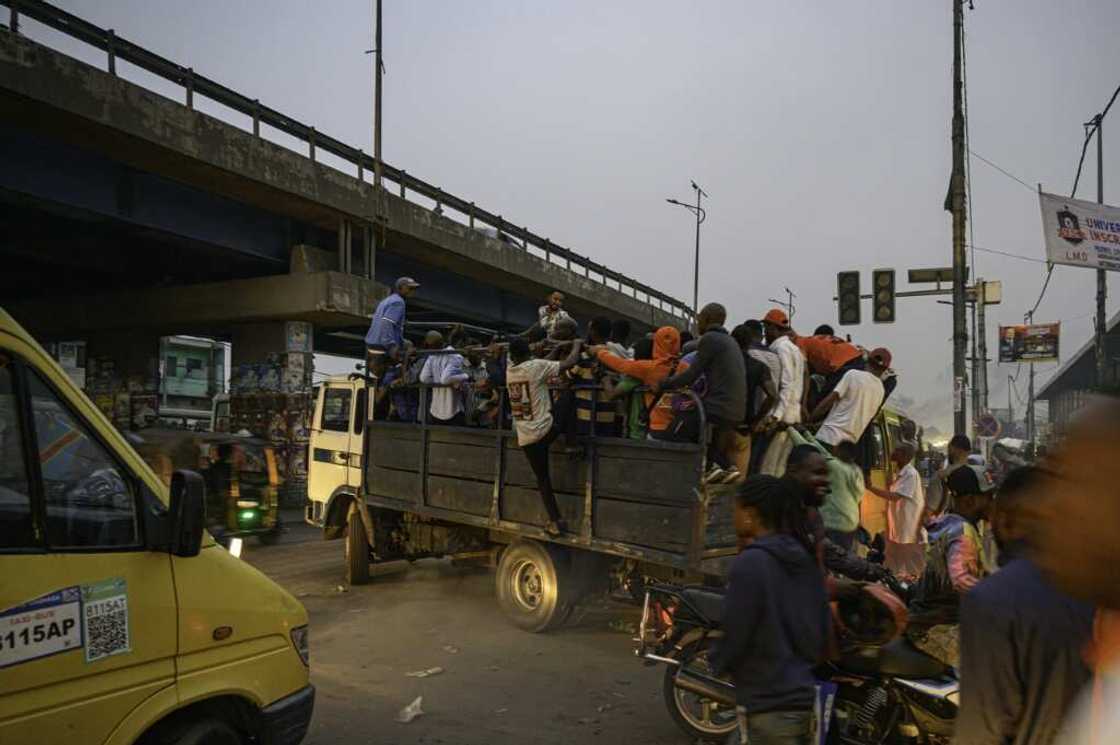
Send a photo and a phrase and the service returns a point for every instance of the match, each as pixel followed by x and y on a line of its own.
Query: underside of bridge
pixel 126 217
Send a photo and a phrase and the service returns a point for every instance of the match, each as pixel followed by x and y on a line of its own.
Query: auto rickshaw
pixel 240 473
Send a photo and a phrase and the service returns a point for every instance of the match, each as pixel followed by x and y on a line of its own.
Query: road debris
pixel 450 649
pixel 341 588
pixel 502 710
pixel 424 673
pixel 605 707
pixel 410 712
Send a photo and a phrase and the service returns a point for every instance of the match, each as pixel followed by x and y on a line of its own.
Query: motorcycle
pixel 873 694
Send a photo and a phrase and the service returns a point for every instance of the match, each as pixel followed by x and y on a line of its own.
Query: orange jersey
pixel 826 354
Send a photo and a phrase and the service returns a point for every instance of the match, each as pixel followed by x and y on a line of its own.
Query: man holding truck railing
pixel 531 408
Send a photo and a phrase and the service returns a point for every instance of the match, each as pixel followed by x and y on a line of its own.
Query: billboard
pixel 1080 233
pixel 1037 343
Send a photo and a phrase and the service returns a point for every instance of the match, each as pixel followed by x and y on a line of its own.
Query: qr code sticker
pixel 105 614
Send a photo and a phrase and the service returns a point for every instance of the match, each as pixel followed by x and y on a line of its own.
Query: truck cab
pixel 334 462
pixel 121 620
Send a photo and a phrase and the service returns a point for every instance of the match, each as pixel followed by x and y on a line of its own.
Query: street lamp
pixel 700 213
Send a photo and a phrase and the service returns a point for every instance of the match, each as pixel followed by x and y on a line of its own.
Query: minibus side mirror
pixel 188 513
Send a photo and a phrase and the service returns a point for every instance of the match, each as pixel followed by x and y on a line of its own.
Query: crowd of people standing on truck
pixel 786 417
pixel 752 387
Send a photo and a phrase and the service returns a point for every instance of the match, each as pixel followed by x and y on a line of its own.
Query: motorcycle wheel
pixel 700 718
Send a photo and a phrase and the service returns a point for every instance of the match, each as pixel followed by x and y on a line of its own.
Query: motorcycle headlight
pixel 302 643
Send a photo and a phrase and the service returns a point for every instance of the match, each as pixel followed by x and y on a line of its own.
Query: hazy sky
pixel 820 128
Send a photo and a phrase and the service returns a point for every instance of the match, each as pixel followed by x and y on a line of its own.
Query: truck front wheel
pixel 534 585
pixel 357 550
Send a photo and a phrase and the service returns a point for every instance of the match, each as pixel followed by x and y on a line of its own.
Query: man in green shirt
pixel 635 404
pixel 840 511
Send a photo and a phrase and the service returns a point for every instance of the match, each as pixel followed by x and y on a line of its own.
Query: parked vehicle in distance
pixel 121 620
pixel 219 413
pixel 240 472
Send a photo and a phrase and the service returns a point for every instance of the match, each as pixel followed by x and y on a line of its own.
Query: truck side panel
pixel 642 497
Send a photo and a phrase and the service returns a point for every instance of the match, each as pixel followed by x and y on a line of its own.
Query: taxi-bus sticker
pixel 42 627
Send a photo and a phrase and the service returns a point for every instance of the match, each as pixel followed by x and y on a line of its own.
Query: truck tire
pixel 534 585
pixel 357 550
pixel 703 720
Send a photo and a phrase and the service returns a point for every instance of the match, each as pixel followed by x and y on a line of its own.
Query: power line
pixel 1045 284
pixel 1009 175
pixel 1009 254
pixel 1091 129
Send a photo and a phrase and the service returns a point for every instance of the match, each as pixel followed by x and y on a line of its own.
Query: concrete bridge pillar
pixel 121 376
pixel 270 395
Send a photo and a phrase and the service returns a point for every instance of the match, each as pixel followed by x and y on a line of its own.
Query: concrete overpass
pixel 126 215
pixel 110 190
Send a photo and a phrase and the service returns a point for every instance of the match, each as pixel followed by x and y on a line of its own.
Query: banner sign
pixel 1037 343
pixel 1080 233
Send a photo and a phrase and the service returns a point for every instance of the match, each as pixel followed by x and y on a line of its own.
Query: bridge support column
pixel 122 375
pixel 270 395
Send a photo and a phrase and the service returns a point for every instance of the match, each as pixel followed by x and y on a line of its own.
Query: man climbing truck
pixel 408 490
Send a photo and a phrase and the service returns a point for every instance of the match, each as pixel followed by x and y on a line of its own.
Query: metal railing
pixel 117 47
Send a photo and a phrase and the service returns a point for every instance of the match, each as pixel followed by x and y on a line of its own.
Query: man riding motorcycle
pixel 954 565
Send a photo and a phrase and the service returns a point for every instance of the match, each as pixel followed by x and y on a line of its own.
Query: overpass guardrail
pixel 513 236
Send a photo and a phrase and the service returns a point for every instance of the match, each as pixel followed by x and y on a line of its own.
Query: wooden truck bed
pixel 632 499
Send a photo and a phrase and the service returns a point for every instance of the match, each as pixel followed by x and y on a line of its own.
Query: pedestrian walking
pixel 775 618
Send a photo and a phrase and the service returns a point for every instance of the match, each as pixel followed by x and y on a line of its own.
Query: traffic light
pixel 847 291
pixel 882 295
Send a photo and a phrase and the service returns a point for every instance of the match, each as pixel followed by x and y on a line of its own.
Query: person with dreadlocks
pixel 775 616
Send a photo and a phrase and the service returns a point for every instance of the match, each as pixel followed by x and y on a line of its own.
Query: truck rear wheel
pixel 534 585
pixel 357 550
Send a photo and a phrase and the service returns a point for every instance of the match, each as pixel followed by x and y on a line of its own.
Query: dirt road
pixel 498 685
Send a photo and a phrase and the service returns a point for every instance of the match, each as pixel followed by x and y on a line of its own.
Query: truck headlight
pixel 301 641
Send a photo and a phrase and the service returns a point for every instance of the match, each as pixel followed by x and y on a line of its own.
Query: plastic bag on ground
pixel 410 712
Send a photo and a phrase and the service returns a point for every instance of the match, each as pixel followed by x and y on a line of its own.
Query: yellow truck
pixel 121 620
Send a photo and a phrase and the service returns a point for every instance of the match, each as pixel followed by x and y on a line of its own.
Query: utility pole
pixel 378 67
pixel 982 344
pixel 1010 409
pixel 700 215
pixel 974 379
pixel 957 187
pixel 1030 396
pixel 1102 283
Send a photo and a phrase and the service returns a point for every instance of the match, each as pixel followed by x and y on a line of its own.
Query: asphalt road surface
pixel 498 684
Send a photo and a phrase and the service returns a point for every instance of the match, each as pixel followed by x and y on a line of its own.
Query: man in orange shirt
pixel 830 357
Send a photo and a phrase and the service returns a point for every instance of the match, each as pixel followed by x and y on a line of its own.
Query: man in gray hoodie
pixel 721 360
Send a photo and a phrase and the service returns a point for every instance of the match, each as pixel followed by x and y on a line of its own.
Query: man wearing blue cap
pixel 385 338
